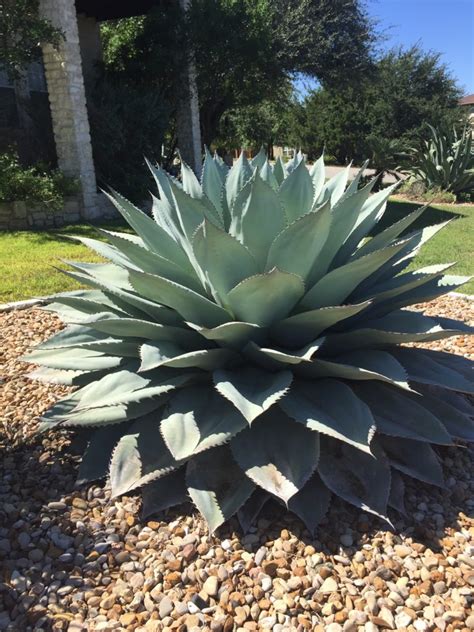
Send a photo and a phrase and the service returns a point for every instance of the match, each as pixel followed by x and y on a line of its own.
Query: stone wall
pixel 23 216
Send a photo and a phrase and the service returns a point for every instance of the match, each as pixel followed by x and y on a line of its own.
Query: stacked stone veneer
pixel 24 216
pixel 64 76
pixel 21 215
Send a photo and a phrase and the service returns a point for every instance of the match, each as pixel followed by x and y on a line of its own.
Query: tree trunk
pixel 189 132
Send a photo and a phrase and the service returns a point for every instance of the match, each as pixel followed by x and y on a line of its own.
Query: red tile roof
pixel 467 100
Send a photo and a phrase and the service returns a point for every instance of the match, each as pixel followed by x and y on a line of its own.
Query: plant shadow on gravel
pixel 38 496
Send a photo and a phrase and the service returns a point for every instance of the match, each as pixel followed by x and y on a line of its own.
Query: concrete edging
pixel 42 300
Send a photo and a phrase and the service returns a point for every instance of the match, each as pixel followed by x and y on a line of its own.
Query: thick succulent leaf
pixel 359 478
pixel 267 176
pixel 318 174
pixel 424 292
pixel 190 305
pixel 277 454
pixel 354 183
pixel 395 328
pixel 457 423
pixel 232 334
pixel 297 192
pixel 58 411
pixel 306 326
pixel 125 388
pixel 239 174
pixel 331 407
pixel 389 234
pixel 96 459
pixel 396 499
pixel 74 335
pixel 249 511
pixel 279 170
pixel 163 182
pixel 252 391
pixel 411 245
pixel 89 303
pixel 166 354
pixel 107 251
pixel 217 486
pixel 198 418
pixel 224 260
pixel 297 248
pixel 401 414
pixel 105 391
pixel 163 493
pixel 260 159
pixel 73 358
pixel 191 184
pixel 369 364
pixel 415 458
pixel 191 211
pixel 441 369
pixel 140 456
pixel 336 185
pixel 164 213
pixel 461 402
pixel 101 416
pixel 338 284
pixel 400 284
pixel 126 348
pixel 371 212
pixel 265 298
pixel 262 220
pixel 116 275
pixel 212 182
pixel 273 359
pixel 294 162
pixel 134 327
pixel 311 503
pixel 159 313
pixel 64 377
pixel 154 236
pixel 142 259
pixel 344 216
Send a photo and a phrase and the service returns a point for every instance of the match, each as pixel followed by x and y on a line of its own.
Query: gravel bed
pixel 73 559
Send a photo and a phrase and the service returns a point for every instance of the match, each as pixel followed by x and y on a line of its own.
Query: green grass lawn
pixel 27 259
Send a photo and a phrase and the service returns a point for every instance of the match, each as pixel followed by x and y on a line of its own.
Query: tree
pixel 245 50
pixel 21 32
pixel 407 88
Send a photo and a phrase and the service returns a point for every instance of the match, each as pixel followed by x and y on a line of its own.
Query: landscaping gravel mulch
pixel 73 559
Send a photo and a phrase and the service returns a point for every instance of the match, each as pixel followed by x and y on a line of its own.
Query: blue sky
pixel 445 26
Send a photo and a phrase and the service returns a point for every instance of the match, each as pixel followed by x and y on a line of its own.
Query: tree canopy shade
pixel 407 88
pixel 245 50
pixel 21 32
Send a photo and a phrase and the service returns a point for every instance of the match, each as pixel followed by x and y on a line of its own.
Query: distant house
pixel 63 78
pixel 468 103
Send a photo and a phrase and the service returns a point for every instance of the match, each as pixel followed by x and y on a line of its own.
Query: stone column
pixel 63 69
pixel 189 128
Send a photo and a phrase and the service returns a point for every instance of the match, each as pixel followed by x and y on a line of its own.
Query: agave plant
pixel 445 161
pixel 246 343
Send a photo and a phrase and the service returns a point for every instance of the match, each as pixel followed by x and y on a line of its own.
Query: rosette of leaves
pixel 445 161
pixel 246 343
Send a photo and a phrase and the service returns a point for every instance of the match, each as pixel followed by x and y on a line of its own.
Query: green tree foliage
pixel 273 121
pixel 407 88
pixel 21 32
pixel 245 50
